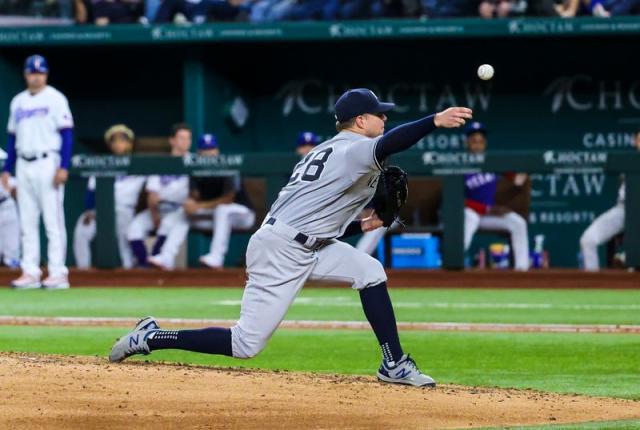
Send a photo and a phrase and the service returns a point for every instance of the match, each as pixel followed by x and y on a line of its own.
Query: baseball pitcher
pixel 297 241
pixel 40 131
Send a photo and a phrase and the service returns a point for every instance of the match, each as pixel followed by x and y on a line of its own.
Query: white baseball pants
pixel 9 232
pixel 511 222
pixel 277 269
pixel 600 231
pixel 38 196
pixel 84 234
pixel 222 220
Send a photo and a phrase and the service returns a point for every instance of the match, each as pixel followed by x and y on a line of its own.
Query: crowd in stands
pixel 103 12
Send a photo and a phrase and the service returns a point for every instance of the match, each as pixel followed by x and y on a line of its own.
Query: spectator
pixel 120 139
pixel 270 10
pixel 166 194
pixel 200 11
pixel 606 226
pixel 215 203
pixel 501 8
pixel 346 9
pixel 450 8
pixel 396 8
pixel 618 7
pixel 107 12
pixel 480 208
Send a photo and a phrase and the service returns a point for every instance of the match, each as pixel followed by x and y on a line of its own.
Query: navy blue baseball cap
pixel 357 102
pixel 207 141
pixel 307 138
pixel 475 127
pixel 36 64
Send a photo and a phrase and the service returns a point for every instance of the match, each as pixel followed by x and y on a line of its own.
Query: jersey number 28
pixel 311 166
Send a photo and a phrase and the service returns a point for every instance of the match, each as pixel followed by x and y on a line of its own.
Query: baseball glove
pixel 391 193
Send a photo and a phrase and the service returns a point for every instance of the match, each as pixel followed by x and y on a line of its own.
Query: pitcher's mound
pixel 64 392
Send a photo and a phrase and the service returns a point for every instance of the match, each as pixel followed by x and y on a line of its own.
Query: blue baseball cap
pixel 36 64
pixel 207 141
pixel 475 127
pixel 357 102
pixel 307 138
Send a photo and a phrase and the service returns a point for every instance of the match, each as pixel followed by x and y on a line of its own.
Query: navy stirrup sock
pixel 157 247
pixel 377 307
pixel 212 340
pixel 139 251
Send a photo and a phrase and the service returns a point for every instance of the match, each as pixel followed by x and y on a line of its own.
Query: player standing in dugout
pixel 297 241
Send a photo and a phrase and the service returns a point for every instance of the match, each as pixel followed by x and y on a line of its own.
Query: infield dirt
pixel 62 392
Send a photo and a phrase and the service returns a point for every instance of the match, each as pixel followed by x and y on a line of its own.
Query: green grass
pixel 592 364
pixel 609 425
pixel 430 305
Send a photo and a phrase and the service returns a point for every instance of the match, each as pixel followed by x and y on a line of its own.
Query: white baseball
pixel 485 72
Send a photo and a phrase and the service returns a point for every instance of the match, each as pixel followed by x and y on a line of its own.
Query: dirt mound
pixel 59 392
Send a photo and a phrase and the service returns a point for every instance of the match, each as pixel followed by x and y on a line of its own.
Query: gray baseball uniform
pixel 327 190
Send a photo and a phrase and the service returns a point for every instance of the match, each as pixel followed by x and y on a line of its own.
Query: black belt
pixel 302 238
pixel 2 199
pixel 35 157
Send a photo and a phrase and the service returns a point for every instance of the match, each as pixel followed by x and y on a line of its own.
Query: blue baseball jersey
pixel 481 187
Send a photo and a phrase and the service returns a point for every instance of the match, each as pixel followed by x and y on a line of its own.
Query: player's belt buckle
pixel 310 243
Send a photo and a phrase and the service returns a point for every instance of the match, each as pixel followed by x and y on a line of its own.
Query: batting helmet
pixel 36 64
pixel 307 138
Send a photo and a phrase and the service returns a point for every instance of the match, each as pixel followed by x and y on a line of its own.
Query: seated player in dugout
pixel 307 140
pixel 605 226
pixel 481 211
pixel 216 203
pixel 165 195
pixel 126 191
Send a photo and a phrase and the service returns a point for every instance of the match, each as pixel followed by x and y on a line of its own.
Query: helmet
pixel 36 64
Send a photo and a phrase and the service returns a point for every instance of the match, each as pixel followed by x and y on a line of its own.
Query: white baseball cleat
pixel 158 262
pixel 210 261
pixel 405 371
pixel 26 282
pixel 135 342
pixel 56 283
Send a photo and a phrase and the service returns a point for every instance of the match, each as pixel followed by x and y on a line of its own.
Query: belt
pixel 310 242
pixel 3 199
pixel 34 157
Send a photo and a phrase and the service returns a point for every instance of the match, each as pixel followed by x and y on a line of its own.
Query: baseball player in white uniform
pixel 9 224
pixel 297 241
pixel 215 203
pixel 604 227
pixel 40 142
pixel 127 189
pixel 480 209
pixel 165 194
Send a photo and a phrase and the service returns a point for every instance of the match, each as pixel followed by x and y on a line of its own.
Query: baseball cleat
pixel 26 282
pixel 405 372
pixel 209 261
pixel 157 262
pixel 135 342
pixel 56 283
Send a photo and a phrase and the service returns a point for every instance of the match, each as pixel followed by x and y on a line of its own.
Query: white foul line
pixel 344 325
